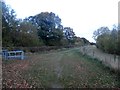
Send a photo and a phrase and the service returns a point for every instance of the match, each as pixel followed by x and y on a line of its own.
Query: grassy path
pixel 109 60
pixel 60 69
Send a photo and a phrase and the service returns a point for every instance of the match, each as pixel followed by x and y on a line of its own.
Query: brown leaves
pixel 13 84
pixel 12 77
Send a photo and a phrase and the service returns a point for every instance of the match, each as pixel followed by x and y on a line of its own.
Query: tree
pixel 8 24
pixel 69 35
pixel 42 29
pixel 28 34
pixel 16 32
pixel 100 31
pixel 49 27
pixel 108 41
pixel 27 27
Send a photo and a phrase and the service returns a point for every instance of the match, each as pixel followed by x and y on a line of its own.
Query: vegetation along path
pixel 58 69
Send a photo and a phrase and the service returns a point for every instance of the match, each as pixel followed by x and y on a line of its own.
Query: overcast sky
pixel 84 16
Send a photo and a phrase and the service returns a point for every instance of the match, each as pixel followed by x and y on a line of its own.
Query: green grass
pixel 68 69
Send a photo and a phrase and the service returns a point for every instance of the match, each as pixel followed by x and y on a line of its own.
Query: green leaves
pixel 107 40
pixel 42 29
pixel 69 35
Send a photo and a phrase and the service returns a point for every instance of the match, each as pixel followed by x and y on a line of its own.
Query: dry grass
pixel 57 69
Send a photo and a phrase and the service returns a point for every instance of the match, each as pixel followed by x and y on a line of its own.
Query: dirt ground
pixel 57 69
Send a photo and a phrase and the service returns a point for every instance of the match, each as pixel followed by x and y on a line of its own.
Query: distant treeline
pixel 108 40
pixel 43 29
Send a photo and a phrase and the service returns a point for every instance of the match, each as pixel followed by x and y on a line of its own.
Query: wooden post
pixel 22 55
pixel 118 63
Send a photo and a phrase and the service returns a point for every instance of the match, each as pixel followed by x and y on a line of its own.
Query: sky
pixel 84 16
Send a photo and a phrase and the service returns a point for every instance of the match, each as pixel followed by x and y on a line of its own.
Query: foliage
pixel 69 35
pixel 100 31
pixel 42 29
pixel 49 27
pixel 108 40
pixel 7 27
pixel 85 41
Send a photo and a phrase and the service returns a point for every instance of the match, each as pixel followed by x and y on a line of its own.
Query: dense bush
pixel 108 40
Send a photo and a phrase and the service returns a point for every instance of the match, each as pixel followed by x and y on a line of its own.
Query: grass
pixel 62 69
pixel 83 71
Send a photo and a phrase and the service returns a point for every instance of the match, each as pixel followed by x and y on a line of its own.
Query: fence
pixel 13 54
pixel 112 61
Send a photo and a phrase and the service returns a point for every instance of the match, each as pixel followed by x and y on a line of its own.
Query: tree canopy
pixel 44 28
pixel 108 40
